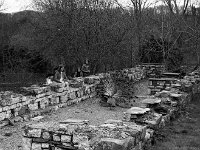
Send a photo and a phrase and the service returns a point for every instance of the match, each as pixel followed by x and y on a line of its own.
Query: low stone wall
pixel 152 69
pixel 36 98
pixel 159 84
pixel 19 107
pixel 134 132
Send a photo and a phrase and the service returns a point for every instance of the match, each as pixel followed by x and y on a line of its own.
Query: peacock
pixel 107 91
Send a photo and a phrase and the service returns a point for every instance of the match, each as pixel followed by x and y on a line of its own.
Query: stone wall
pixel 40 97
pixel 28 103
pixel 134 132
pixel 152 69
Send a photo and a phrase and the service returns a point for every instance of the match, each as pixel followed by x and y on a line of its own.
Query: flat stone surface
pixel 175 95
pixel 137 110
pixel 151 101
pixel 44 125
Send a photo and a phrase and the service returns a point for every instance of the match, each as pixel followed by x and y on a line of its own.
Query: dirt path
pixel 184 132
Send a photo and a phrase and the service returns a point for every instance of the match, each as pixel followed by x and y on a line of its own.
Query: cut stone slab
pixel 176 85
pixel 111 126
pixel 163 94
pixel 137 110
pixel 175 95
pixel 151 101
pixel 50 126
pixel 37 118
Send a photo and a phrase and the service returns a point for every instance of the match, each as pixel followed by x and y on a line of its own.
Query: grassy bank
pixel 182 133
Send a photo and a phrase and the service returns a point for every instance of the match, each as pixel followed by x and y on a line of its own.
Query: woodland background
pixel 112 37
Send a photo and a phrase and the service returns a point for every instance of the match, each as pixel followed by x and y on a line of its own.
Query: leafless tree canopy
pixel 108 34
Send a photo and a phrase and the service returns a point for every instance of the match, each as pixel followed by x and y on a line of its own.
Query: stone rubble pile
pixel 134 132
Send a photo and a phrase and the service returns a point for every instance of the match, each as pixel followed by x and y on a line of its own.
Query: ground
pixel 181 134
pixel 11 137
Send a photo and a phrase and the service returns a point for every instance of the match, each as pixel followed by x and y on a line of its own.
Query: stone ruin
pixel 134 132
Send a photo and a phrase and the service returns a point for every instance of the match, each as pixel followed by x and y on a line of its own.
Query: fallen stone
pixel 37 118
pixel 151 101
pixel 137 110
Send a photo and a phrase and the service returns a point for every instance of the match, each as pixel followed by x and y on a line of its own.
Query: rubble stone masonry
pixel 134 132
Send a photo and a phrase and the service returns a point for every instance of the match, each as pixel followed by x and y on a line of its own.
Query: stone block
pixel 154 121
pixel 72 95
pixel 64 98
pixel 41 95
pixel 57 101
pixel 33 106
pixel 8 114
pixel 45 145
pixel 24 98
pixel 2 115
pixel 66 138
pixel 27 142
pixel 56 137
pixel 78 94
pixel 31 132
pixel 87 91
pixel 114 144
pixel 44 102
pixel 36 146
pixel 15 99
pixel 51 100
pixel 1 109
pixel 134 112
pixel 79 138
pixel 46 135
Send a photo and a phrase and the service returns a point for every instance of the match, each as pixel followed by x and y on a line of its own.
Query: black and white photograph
pixel 99 74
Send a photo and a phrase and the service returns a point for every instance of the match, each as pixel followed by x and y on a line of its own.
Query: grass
pixel 184 132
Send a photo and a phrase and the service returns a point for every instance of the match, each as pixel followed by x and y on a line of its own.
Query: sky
pixel 11 6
